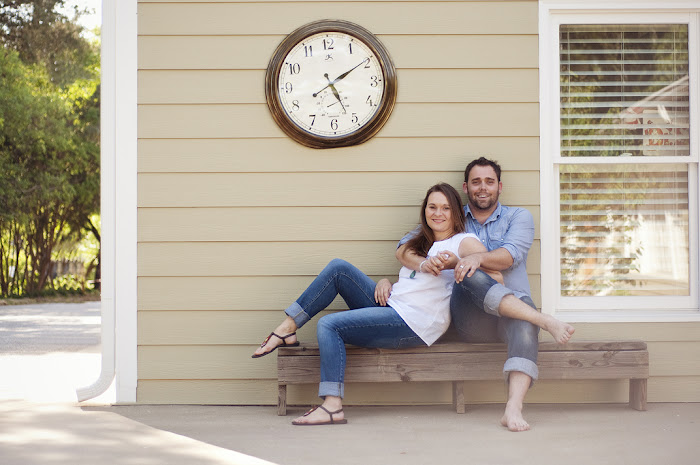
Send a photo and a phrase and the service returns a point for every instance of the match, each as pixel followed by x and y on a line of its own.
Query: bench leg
pixel 458 396
pixel 282 399
pixel 638 394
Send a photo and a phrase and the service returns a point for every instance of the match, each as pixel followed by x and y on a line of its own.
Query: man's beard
pixel 483 204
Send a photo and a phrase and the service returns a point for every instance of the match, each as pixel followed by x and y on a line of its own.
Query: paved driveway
pixel 47 351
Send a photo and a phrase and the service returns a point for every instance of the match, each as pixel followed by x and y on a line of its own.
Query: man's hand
pixel 382 291
pixel 467 266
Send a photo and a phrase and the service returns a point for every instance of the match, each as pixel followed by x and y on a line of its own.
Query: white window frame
pixel 551 15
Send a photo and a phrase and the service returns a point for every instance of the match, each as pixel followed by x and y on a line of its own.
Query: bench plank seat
pixel 459 362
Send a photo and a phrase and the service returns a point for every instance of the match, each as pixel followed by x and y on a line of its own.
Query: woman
pixel 415 312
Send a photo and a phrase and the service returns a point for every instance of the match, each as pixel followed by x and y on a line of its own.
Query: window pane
pixel 624 230
pixel 624 90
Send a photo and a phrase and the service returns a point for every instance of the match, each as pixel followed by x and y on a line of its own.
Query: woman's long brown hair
pixel 425 238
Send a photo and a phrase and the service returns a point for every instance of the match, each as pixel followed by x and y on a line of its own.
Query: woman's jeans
pixel 474 322
pixel 365 324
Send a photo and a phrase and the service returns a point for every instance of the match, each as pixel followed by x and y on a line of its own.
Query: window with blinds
pixel 624 226
pixel 624 90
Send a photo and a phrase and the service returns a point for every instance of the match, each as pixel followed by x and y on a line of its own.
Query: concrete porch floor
pixel 49 351
pixel 65 433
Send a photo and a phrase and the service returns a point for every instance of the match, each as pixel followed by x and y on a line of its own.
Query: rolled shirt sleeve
pixel 519 236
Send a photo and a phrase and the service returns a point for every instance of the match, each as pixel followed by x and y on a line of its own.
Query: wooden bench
pixel 459 362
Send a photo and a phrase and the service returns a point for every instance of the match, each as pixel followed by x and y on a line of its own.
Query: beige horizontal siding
pixel 263 224
pixel 272 258
pixel 381 18
pixel 238 293
pixel 307 189
pixel 264 392
pixel 417 85
pixel 235 219
pixel 200 327
pixel 283 155
pixel 206 327
pixel 246 52
pixel 407 120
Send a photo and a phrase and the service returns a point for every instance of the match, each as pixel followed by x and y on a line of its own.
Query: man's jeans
pixel 364 325
pixel 474 306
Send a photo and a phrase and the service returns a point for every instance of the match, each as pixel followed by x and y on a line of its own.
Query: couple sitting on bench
pixel 464 264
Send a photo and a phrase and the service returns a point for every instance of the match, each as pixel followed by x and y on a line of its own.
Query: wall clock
pixel 330 83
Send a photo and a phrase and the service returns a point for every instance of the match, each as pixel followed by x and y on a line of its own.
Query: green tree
pixel 41 35
pixel 49 142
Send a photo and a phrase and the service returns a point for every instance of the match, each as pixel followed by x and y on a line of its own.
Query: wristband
pixel 420 267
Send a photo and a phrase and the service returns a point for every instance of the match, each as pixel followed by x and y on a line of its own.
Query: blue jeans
pixel 474 310
pixel 365 324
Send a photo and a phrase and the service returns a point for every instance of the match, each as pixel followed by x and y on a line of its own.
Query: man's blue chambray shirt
pixel 512 228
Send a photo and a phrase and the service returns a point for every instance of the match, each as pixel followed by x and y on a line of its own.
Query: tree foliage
pixel 41 35
pixel 49 143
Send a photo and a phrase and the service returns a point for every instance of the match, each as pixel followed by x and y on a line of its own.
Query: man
pixel 484 310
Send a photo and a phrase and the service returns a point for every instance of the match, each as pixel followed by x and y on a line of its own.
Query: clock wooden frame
pixel 363 133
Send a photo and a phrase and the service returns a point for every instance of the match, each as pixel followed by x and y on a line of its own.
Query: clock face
pixel 331 84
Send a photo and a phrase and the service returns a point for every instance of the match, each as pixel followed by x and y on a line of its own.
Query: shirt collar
pixel 494 216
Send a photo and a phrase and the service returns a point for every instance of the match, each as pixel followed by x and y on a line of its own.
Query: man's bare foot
pixel 283 334
pixel 513 418
pixel 329 413
pixel 560 331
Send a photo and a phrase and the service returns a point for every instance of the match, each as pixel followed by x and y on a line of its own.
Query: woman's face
pixel 438 215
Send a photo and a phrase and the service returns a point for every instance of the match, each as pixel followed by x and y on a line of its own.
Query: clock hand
pixel 329 83
pixel 334 90
pixel 342 76
pixel 337 95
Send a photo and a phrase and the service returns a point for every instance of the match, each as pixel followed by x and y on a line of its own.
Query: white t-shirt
pixel 423 301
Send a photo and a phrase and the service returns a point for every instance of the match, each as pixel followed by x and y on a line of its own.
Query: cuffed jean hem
pixel 296 313
pixel 493 298
pixel 522 365
pixel 330 388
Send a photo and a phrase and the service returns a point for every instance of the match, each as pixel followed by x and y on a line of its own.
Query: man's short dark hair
pixel 482 161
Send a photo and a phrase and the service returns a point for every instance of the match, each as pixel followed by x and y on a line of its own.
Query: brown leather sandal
pixel 330 415
pixel 284 343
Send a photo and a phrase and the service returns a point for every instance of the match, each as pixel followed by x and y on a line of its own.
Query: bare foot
pixel 513 418
pixel 284 333
pixel 330 413
pixel 560 331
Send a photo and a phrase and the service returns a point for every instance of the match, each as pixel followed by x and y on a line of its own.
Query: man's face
pixel 482 188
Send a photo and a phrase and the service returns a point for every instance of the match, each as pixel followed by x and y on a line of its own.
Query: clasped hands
pixel 446 260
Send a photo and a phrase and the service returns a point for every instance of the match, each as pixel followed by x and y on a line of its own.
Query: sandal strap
pixel 282 338
pixel 330 414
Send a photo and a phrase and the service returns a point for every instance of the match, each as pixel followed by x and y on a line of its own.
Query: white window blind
pixel 624 230
pixel 624 227
pixel 624 90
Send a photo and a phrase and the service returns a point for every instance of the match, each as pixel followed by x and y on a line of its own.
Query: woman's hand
pixel 447 259
pixel 435 264
pixel 382 291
